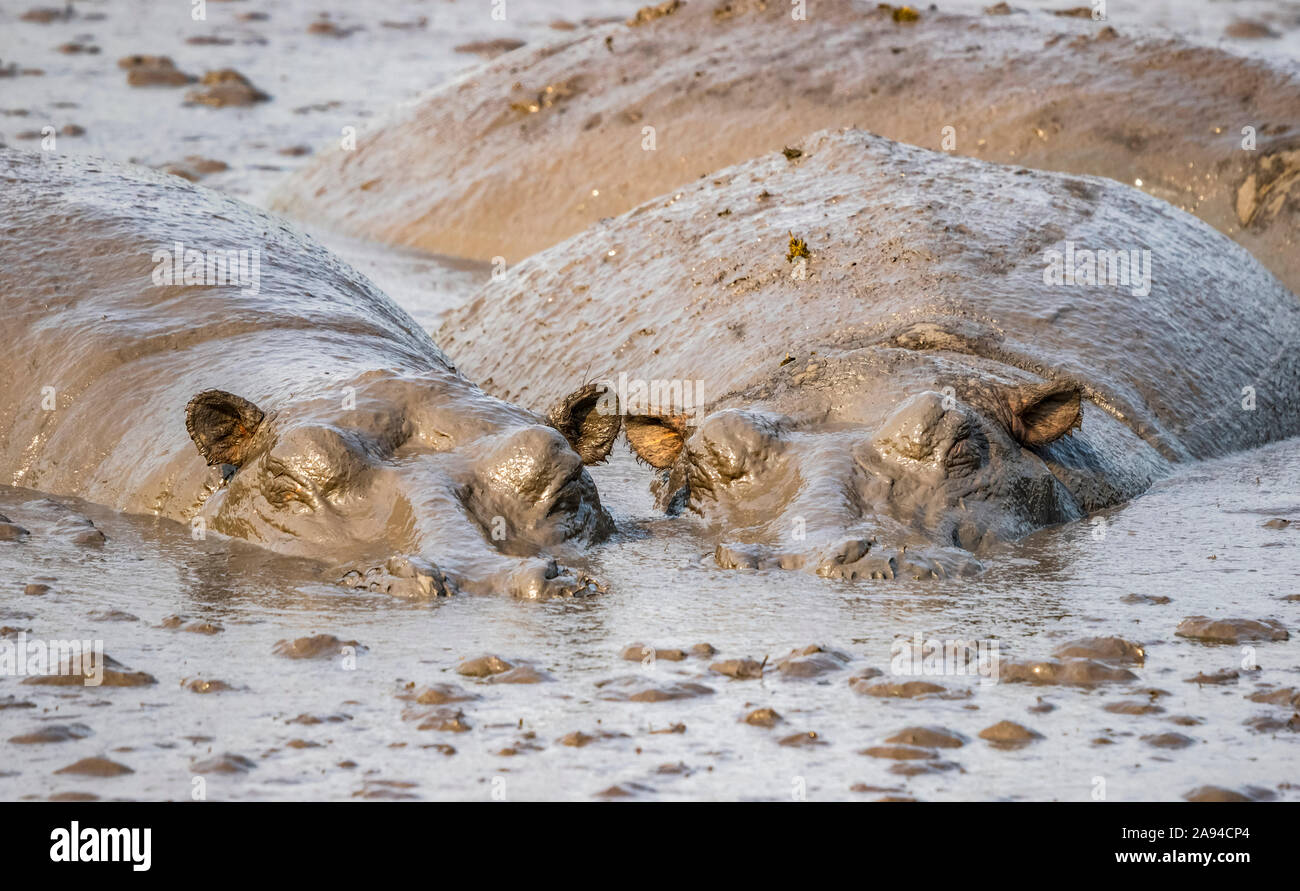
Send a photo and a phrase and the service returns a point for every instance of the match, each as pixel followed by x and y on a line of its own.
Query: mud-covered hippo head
pixel 933 479
pixel 418 485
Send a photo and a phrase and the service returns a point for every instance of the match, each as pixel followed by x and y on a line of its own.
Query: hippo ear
pixel 1037 414
pixel 656 439
pixel 222 426
pixel 589 419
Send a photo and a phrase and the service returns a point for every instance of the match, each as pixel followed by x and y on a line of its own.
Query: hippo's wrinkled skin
pixel 334 426
pixel 605 119
pixel 918 390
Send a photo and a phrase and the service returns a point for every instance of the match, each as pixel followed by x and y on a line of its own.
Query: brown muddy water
pixel 197 626
pixel 1200 544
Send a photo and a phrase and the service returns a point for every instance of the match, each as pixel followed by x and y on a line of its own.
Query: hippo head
pixel 413 484
pixel 911 489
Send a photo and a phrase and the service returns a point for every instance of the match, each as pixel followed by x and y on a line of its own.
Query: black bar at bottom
pixel 331 841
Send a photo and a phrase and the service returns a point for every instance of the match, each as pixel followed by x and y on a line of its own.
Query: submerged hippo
pixel 905 356
pixel 542 142
pixel 173 352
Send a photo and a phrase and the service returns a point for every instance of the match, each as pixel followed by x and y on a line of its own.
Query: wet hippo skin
pixel 299 409
pixel 919 387
pixel 602 120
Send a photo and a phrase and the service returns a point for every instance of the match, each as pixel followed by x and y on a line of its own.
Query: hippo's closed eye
pixel 314 460
pixel 926 430
pixel 282 488
pixel 967 452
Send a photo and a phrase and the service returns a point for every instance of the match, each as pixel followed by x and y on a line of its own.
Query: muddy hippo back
pixel 753 280
pixel 112 323
pixel 542 142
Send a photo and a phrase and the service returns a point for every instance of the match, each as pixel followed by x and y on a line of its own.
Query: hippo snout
pixel 730 445
pixel 533 464
pixel 911 488
pixel 533 487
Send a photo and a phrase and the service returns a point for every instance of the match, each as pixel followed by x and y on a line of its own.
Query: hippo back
pixel 101 359
pixel 909 249
pixel 602 120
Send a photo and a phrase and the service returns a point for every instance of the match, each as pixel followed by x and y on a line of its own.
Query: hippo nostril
pixel 532 479
pixel 568 495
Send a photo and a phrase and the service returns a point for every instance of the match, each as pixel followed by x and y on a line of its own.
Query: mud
pixel 225 88
pixel 96 767
pixel 738 669
pixel 1109 649
pixel 763 717
pixel 483 666
pixel 1009 735
pixel 320 646
pixel 1072 672
pixel 929 737
pixel 1230 631
pixel 811 662
pixel 153 71
pixel 637 652
pixel 52 733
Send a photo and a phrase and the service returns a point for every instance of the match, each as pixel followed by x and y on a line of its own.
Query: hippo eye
pixel 283 490
pixel 966 452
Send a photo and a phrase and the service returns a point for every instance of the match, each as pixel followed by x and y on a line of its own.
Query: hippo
pixel 176 353
pixel 897 358
pixel 606 119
